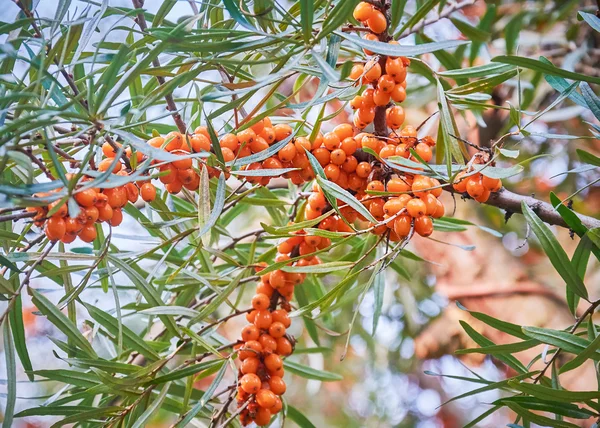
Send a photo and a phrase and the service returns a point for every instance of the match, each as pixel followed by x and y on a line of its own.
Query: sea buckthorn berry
pixel 376 186
pixel 332 172
pixel 423 225
pixel 428 140
pixel 55 228
pixel 343 131
pixel 268 342
pixel 372 71
pixel 331 141
pixel 282 131
pixel 430 203
pixel 91 215
pixel 281 316
pixel 260 302
pixel 287 153
pixel 183 163
pixel 174 141
pixel 156 142
pixel 200 143
pixel 148 192
pixel 273 362
pixel 250 365
pixel 168 174
pixel 349 164
pixel 251 316
pixel 116 218
pixel 365 114
pixel 363 169
pixel 72 225
pixel 370 142
pixel 381 98
pixel 133 192
pixel 396 69
pixel 394 117
pixel 386 83
pixel 424 151
pixel 263 319
pixel 439 210
pixel 421 185
pixel 262 417
pixel 272 163
pixel 375 208
pixel 258 144
pixel 285 247
pixel 101 201
pixel 305 249
pixel 398 94
pixel 174 187
pixel 492 184
pixel 373 38
pixel 302 144
pixel 393 206
pixel 266 398
pixel 277 279
pixel 363 11
pixel 88 233
pixel 245 138
pixel 108 150
pixel 268 134
pixel 250 332
pixel 377 22
pixel 250 383
pixel 277 407
pixel 357 71
pixel 349 145
pixel 402 150
pixel 277 330
pixel 330 223
pixel 387 151
pixel 322 155
pixel 228 154
pixel 61 210
pixel 460 183
pixel 397 185
pixel 202 130
pixel 357 102
pixel 312 240
pixel 264 288
pixel 86 198
pixel 338 156
pixel 317 200
pixel 250 349
pixel 416 207
pixel 475 186
pixel 484 196
pixel 402 225
pixel 436 187
pixel 277 385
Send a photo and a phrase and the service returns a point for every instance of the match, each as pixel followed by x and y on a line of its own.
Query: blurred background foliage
pixel 223 58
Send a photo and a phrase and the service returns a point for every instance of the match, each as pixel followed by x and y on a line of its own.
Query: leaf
pixel 554 394
pixel 204 203
pixel 378 293
pixel 472 33
pixel 588 157
pixel 400 50
pixel 538 419
pixel 555 252
pixel 335 191
pixel 543 67
pixel 216 302
pixel 306 18
pixel 477 71
pixel 60 321
pixel 420 13
pixel 205 398
pixel 320 268
pixel 150 294
pixel 338 15
pixel 397 11
pixel 297 416
pixel 170 310
pixel 11 375
pixel 561 339
pixel 217 207
pixel 330 74
pixel 18 331
pixel 539 404
pixel 582 357
pixel 130 338
pixel 483 85
pixel 236 14
pixel 591 99
pixel 261 156
pixel 591 19
pixel 147 415
pixel 310 373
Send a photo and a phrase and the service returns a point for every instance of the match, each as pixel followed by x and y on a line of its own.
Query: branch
pixel 511 202
pixel 171 106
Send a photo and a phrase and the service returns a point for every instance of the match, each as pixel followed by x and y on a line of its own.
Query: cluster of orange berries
pixel 370 16
pixel 95 206
pixel 265 339
pixel 411 199
pixel 477 185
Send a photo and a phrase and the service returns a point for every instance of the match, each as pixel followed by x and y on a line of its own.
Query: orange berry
pixel 363 11
pixel 322 155
pixel 250 365
pixel 267 342
pixel 277 330
pixel 394 117
pixel 266 398
pixel 332 171
pixel 398 94
pixel 73 225
pixel 373 38
pixel 229 141
pixel 228 154
pixel 402 225
pixel 264 288
pixel 108 151
pixel 86 198
pixel 460 183
pixel 381 98
pixel 424 151
pixel 185 163
pixel 263 319
pixel 132 192
pixel 397 185
pixel 272 163
pixel 250 383
pixel 363 169
pixel 273 362
pixel 169 174
pixel 174 141
pixel 376 208
pixel 439 210
pixel 250 332
pixel 423 225
pixel 277 385
pixel 357 71
pixel 396 69
pixel 250 349
pixel 349 164
pixel 281 315
pixel 261 302
pixel 302 144
pixel 436 187
pixel 492 184
pixel 344 131
pixel 268 134
pixel 174 187
pixel 387 151
pixel 148 192
pixel 366 114
pixel 284 346
pixel 372 71
pixel 386 83
pixel 331 141
pixel 55 228
pixel 338 156
pixel 200 143
pixel 376 186
pixel 88 233
pixel 416 207
pixel 282 131
pixel 258 144
pixel 116 218
pixel 107 163
pixel 377 22
pixel 262 417
pixel 156 142
pixel 243 138
pixel 287 153
pixel 475 186
pixel 393 206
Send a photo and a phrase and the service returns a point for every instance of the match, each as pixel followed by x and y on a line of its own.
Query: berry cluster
pixel 265 340
pixel 95 206
pixel 477 185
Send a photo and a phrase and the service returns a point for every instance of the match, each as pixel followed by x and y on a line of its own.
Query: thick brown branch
pixel 171 106
pixel 511 202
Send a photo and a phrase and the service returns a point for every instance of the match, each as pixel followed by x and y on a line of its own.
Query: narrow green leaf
pixel 153 408
pixel 320 268
pixel 310 373
pixel 11 375
pixel 534 64
pixel 306 18
pixel 561 339
pixel 298 417
pixel 401 50
pixel 329 187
